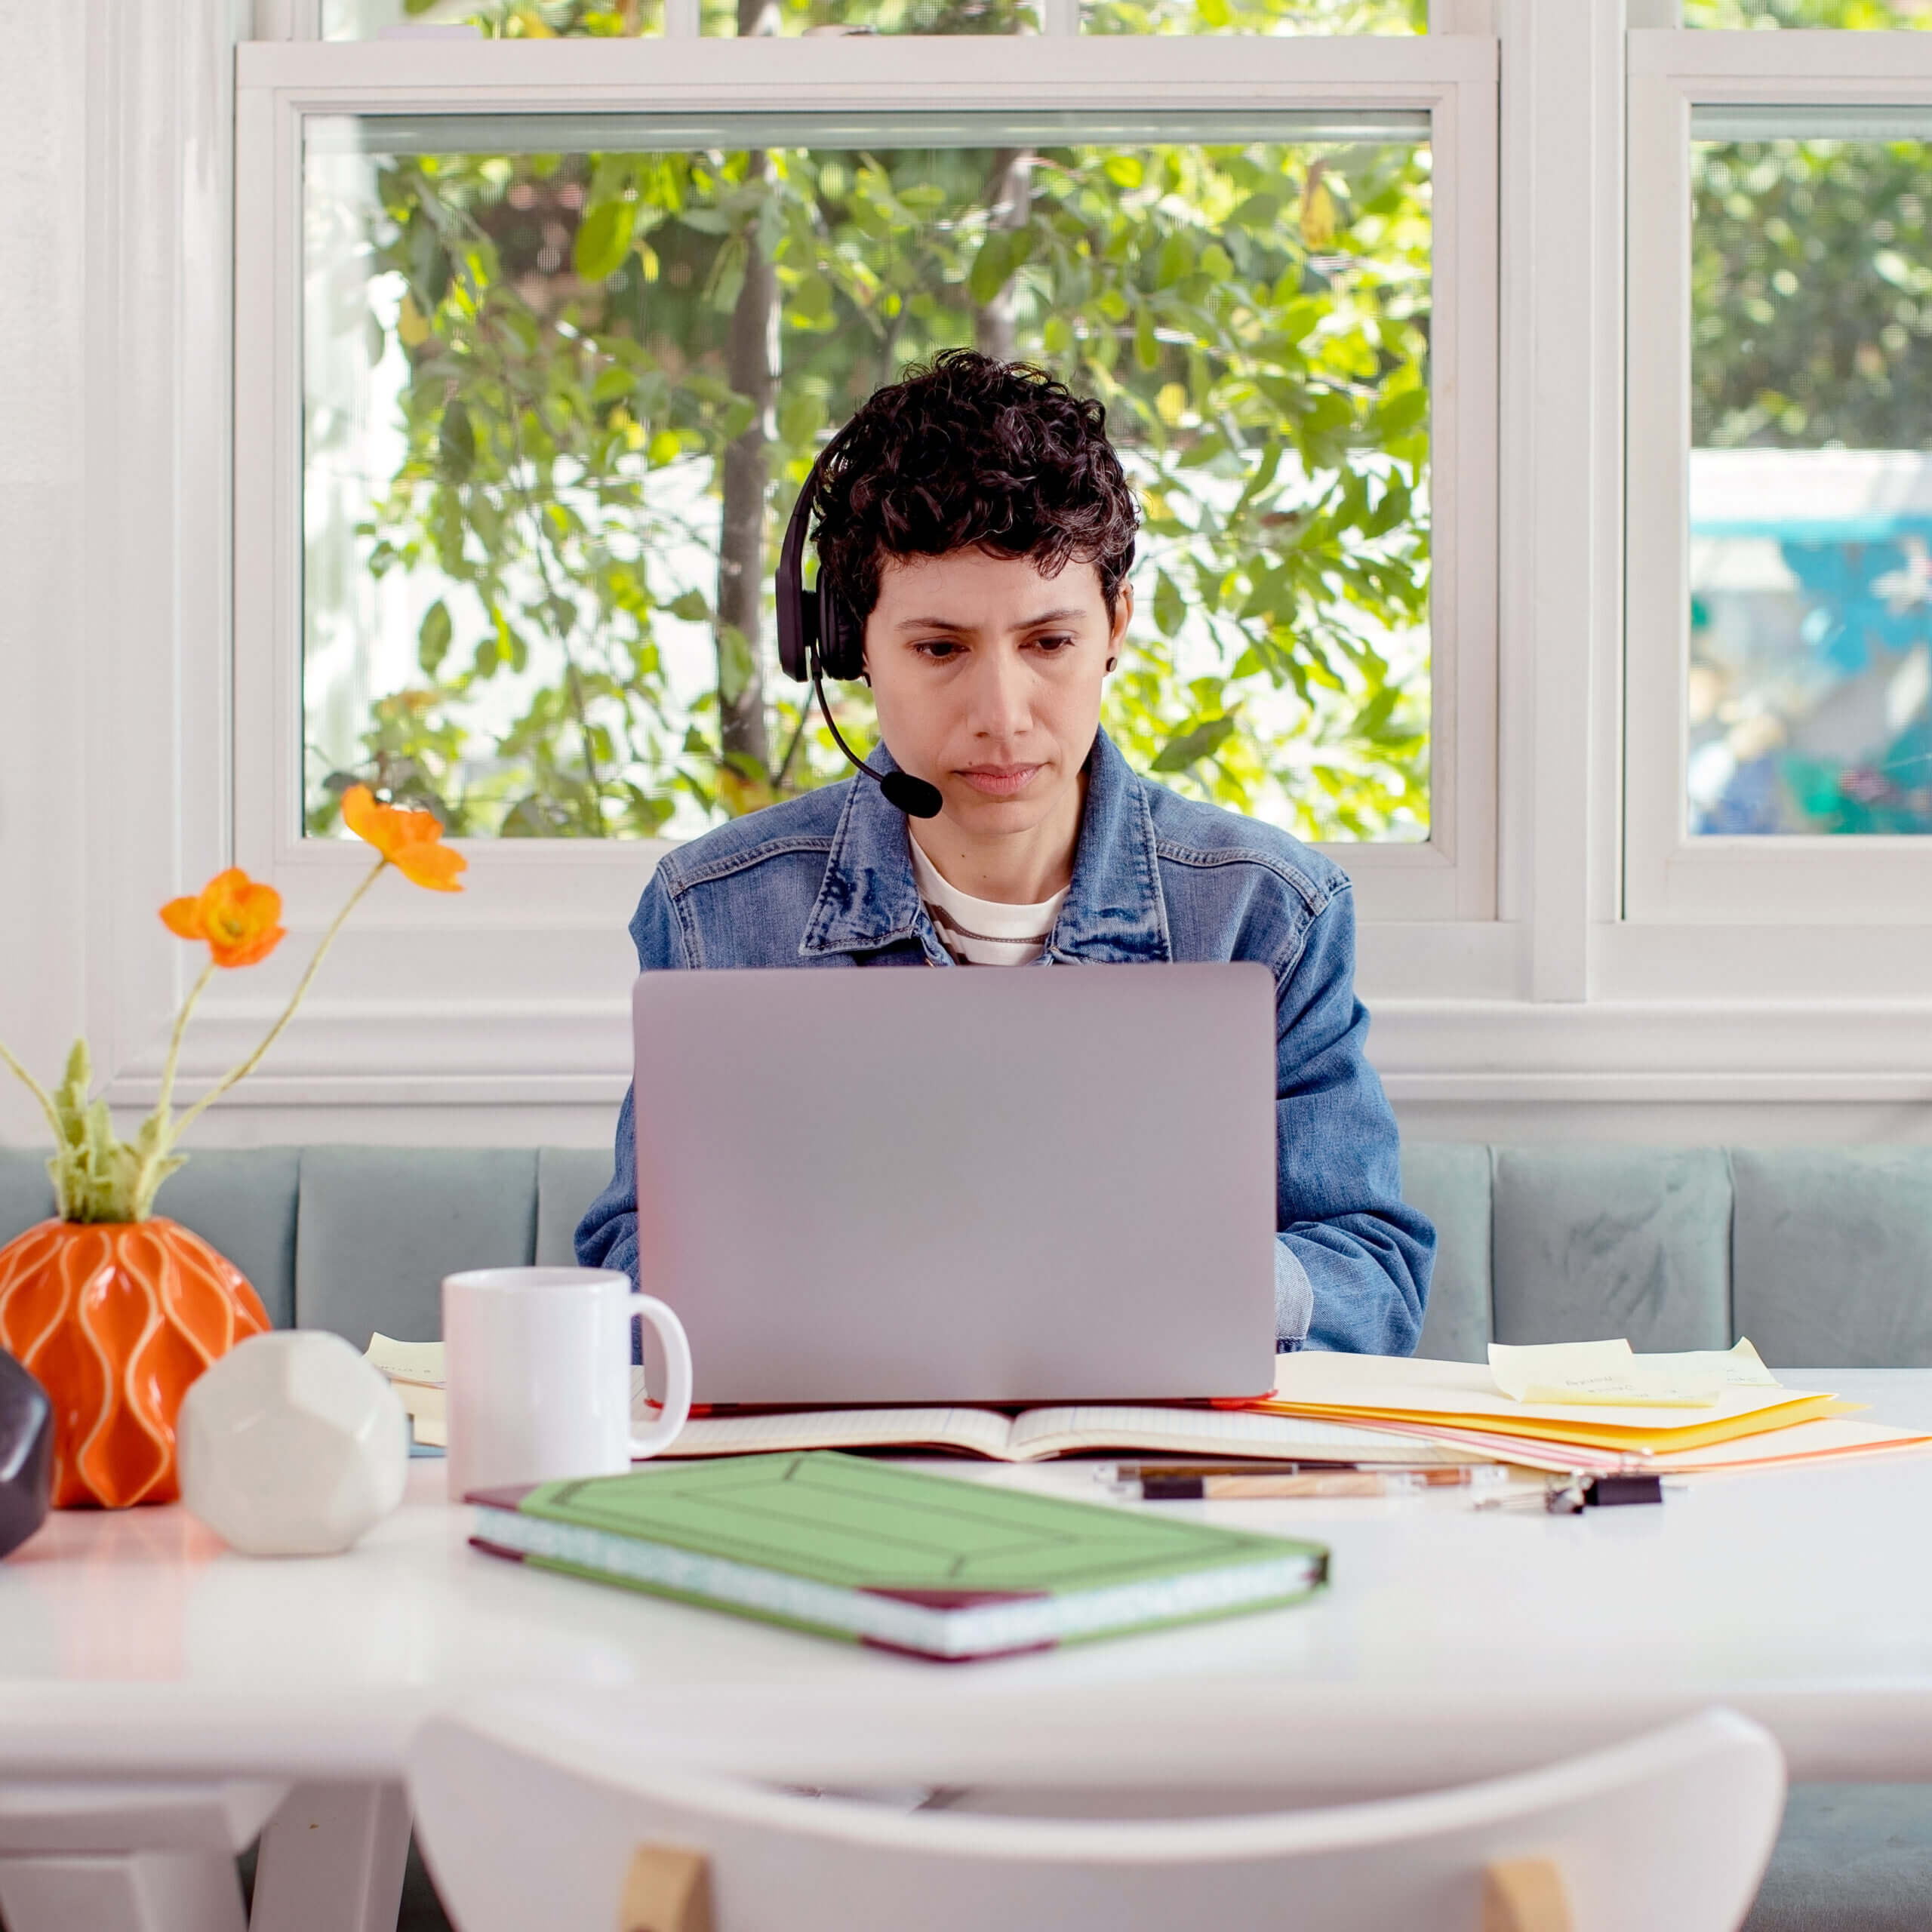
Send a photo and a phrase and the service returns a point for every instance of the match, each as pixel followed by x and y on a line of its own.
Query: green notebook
pixel 893 1557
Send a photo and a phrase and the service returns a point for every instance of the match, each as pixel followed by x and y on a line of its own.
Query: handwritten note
pixel 407 1361
pixel 1610 1375
pixel 415 1370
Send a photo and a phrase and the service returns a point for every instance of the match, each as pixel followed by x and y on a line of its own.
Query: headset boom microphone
pixel 818 636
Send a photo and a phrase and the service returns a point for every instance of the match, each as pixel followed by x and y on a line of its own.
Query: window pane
pixel 362 19
pixel 1810 482
pixel 1254 16
pixel 1876 14
pixel 514 19
pixel 530 343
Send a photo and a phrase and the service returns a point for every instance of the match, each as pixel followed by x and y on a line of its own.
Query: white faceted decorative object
pixel 292 1445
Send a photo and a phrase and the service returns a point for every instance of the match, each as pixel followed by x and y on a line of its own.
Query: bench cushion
pixel 568 1179
pixel 27 1195
pixel 1833 1255
pixel 242 1202
pixel 1449 1182
pixel 379 1227
pixel 1594 1241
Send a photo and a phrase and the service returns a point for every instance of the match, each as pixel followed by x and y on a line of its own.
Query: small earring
pixel 1111 662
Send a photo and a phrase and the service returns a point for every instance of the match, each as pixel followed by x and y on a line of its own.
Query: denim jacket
pixel 826 880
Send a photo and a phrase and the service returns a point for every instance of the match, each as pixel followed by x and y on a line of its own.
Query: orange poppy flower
pixel 237 917
pixel 411 841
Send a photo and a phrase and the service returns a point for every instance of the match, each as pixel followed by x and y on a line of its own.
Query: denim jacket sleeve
pixel 1352 1260
pixel 607 1236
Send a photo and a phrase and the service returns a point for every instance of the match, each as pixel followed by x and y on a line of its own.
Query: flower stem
pixel 39 1093
pixel 160 1106
pixel 157 1133
pixel 295 999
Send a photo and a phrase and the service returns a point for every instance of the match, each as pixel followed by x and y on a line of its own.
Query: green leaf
pixel 811 300
pixel 1169 607
pixel 691 607
pixel 1394 508
pixel 1400 414
pixel 432 638
pixel 992 266
pixel 604 239
pixel 1187 747
pixel 1259 213
pixel 70 1097
pixel 614 386
pixel 736 667
pixel 799 419
pixel 455 444
pixel 1146 344
pixel 647 814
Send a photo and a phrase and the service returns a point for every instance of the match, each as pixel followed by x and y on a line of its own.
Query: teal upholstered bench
pixel 1822 1256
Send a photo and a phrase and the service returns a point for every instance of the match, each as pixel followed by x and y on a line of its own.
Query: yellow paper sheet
pixel 415 1370
pixel 1810 1441
pixel 1397 1392
pixel 1608 1374
pixel 407 1361
pixel 1599 1374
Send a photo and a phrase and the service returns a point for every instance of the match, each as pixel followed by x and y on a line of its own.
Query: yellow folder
pixel 1395 1392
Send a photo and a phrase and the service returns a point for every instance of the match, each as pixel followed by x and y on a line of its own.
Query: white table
pixel 135 1650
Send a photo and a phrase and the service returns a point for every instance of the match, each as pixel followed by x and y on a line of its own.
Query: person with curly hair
pixel 975 520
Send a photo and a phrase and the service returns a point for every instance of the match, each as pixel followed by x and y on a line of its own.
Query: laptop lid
pixel 989 1185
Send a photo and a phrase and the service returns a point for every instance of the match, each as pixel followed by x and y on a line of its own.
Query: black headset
pixel 820 637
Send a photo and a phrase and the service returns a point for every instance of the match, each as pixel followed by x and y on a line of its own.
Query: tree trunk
pixel 751 368
pixel 1010 200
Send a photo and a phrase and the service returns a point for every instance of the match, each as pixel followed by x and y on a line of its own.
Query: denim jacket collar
pixel 1113 911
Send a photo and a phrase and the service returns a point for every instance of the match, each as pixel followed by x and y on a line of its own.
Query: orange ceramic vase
pixel 116 1319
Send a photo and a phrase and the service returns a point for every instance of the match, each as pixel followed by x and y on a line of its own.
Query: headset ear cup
pixel 841 642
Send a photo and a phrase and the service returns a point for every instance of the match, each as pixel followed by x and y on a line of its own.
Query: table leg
pixel 140 1891
pixel 332 1858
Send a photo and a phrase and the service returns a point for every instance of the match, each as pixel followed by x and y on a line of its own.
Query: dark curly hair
pixel 964 453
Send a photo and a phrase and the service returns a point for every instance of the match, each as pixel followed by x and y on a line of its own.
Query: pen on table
pixel 1433 1475
pixel 1310 1483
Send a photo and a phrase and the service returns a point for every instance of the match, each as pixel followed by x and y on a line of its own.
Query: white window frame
pixel 1550 1004
pixel 529 965
pixel 1670 878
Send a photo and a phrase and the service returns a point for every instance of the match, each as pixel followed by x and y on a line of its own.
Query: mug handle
pixel 677 1405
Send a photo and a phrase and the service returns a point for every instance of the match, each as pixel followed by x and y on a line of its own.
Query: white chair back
pixel 530 1820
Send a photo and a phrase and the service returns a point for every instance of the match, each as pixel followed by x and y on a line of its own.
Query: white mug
pixel 538 1365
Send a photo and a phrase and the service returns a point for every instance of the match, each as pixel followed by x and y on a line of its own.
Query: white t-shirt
pixel 982 932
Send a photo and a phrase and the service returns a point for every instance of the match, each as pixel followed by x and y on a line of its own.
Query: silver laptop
pixel 987 1185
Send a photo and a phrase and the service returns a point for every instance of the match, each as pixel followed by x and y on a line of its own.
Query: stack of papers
pixel 415 1370
pixel 1590 1406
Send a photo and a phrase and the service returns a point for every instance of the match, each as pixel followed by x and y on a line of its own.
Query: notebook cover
pixel 867 1525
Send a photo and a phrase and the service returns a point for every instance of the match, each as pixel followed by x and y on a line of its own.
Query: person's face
pixel 987 676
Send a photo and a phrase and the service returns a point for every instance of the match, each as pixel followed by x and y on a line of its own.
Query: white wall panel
pixel 47 545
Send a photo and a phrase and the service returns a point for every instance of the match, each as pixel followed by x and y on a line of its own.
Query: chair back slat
pixel 527 1821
